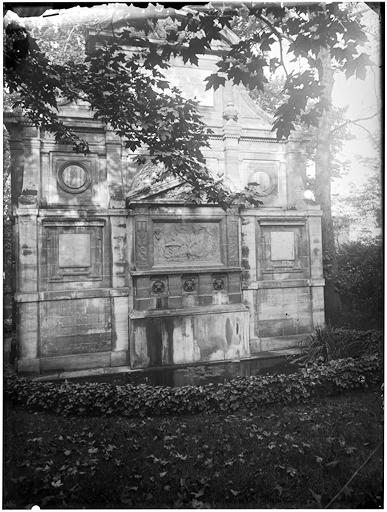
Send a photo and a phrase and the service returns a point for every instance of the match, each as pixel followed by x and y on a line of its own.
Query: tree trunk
pixel 323 191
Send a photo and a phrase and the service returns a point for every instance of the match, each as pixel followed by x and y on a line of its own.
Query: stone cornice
pixel 246 138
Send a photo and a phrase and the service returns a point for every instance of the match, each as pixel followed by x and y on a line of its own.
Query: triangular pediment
pixel 172 190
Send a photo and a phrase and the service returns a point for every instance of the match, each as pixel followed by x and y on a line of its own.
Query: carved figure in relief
pixel 181 243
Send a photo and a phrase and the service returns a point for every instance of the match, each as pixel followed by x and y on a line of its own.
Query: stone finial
pixel 230 112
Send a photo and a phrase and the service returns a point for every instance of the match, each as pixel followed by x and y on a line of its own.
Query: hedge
pixel 84 399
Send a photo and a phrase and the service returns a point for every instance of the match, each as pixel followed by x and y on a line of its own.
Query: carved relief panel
pixel 186 244
pixel 163 240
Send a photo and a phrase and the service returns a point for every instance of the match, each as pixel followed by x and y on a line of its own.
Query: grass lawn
pixel 296 456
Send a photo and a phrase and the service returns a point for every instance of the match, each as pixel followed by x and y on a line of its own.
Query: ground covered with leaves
pixel 293 456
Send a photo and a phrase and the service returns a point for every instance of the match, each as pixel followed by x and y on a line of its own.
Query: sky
pixel 363 99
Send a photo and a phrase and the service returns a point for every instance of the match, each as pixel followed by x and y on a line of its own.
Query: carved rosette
pixel 158 287
pixel 218 284
pixel 189 285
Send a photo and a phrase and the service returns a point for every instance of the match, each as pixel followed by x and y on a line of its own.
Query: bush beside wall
pixel 359 282
pixel 329 343
pixel 241 393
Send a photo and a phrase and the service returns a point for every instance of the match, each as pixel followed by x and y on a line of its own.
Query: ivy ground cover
pixel 278 456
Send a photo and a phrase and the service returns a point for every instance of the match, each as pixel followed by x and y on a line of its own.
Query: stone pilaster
pixel 120 277
pixel 16 161
pixel 114 169
pixel 120 355
pixel 119 246
pixel 295 164
pixel 249 250
pixel 231 136
pixel 31 169
pixel 27 256
pixel 27 334
pixel 27 283
pixel 316 269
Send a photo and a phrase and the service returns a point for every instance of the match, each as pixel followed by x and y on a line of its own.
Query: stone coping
pixel 269 354
pixel 286 283
pixel 185 270
pixel 194 310
pixel 94 293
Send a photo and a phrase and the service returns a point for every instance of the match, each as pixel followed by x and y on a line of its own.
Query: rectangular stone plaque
pixel 74 250
pixel 77 326
pixel 281 245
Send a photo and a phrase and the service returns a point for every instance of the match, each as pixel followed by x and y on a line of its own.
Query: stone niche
pixel 187 286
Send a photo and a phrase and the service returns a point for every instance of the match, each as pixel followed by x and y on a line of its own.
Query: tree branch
pixel 279 36
pixel 67 41
pixel 372 136
pixel 354 121
pixel 274 30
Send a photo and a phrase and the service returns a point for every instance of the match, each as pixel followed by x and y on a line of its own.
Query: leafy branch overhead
pixel 129 92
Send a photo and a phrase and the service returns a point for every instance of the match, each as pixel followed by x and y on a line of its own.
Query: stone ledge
pixel 278 344
pixel 281 213
pixel 113 370
pixel 71 294
pixel 69 212
pixel 288 283
pixel 76 362
pixel 199 310
pixel 184 270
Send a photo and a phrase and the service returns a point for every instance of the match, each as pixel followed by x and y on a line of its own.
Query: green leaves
pixel 358 66
pixel 128 90
pixel 215 81
pixel 241 393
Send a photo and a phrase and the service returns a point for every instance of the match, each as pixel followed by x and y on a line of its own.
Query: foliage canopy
pixel 129 91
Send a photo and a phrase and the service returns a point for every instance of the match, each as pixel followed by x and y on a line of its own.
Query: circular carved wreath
pixel 262 182
pixel 158 287
pixel 218 284
pixel 73 178
pixel 189 285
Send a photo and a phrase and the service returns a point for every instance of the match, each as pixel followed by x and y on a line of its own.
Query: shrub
pixel 359 282
pixel 240 393
pixel 327 343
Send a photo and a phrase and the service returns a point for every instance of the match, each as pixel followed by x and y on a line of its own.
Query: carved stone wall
pixel 187 286
pixel 107 275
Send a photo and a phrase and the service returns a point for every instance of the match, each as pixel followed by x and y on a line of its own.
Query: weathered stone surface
pixel 283 311
pixel 189 338
pixel 75 326
pixel 74 250
pixel 281 245
pixel 110 274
